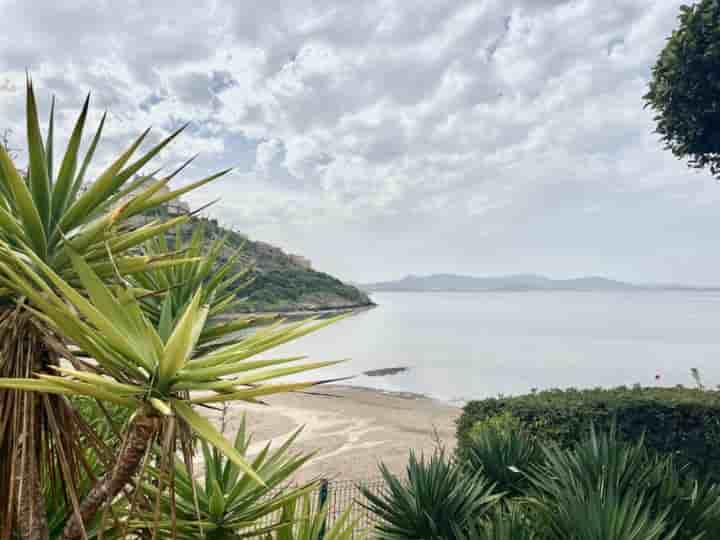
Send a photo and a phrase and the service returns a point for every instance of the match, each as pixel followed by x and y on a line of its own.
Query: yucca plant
pixel 207 265
pixel 437 500
pixel 51 212
pixel 100 442
pixel 301 521
pixel 606 515
pixel 210 268
pixel 509 522
pixel 692 503
pixel 230 503
pixel 603 488
pixel 138 369
pixel 103 422
pixel 504 454
pixel 59 507
pixel 166 292
pixel 600 460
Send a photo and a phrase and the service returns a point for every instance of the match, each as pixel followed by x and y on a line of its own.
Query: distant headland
pixel 517 282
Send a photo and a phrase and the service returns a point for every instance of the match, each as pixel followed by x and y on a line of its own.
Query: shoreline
pixel 400 394
pixel 350 428
pixel 328 310
pixel 292 312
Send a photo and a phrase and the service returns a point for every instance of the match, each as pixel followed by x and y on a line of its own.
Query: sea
pixel 457 346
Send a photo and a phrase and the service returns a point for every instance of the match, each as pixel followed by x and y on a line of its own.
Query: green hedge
pixel 685 422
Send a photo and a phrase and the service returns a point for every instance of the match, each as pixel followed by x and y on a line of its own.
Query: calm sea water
pixel 459 346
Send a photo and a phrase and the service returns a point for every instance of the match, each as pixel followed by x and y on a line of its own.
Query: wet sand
pixel 351 430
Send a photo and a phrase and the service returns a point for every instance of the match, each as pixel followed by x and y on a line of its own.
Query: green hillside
pixel 282 282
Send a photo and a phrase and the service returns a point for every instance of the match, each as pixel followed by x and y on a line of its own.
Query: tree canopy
pixel 685 87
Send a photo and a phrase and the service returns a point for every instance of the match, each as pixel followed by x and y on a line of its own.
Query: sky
pixel 387 137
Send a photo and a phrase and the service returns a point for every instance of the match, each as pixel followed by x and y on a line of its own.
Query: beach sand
pixel 352 429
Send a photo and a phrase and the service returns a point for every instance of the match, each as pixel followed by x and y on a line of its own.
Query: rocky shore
pixel 310 307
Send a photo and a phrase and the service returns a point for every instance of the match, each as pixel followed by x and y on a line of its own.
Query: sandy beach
pixel 351 428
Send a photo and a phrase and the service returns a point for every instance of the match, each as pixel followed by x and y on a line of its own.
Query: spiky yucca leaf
pixel 59 508
pixel 230 502
pixel 506 523
pixel 138 369
pixel 167 292
pixel 601 461
pixel 438 499
pixel 46 211
pixel 504 454
pixel 50 214
pixel 693 503
pixel 301 521
pixel 211 266
pixel 607 515
pixel 601 488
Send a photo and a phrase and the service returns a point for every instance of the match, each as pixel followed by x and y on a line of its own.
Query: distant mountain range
pixel 516 282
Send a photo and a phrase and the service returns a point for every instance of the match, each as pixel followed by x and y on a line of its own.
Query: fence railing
pixel 344 494
pixel 339 496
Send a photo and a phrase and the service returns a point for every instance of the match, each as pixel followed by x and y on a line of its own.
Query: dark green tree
pixel 685 87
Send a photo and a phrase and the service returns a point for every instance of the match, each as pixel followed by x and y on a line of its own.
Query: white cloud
pixel 266 153
pixel 436 124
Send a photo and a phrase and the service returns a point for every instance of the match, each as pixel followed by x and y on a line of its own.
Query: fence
pixel 338 496
pixel 344 494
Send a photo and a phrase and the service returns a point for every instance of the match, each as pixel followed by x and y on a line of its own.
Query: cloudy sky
pixel 387 137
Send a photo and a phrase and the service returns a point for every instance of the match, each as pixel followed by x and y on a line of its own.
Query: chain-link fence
pixel 338 496
pixel 344 494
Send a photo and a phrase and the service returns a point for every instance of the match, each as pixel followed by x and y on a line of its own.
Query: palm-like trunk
pixel 140 432
pixel 23 439
pixel 31 512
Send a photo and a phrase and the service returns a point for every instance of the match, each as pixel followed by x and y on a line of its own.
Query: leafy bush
pixel 682 422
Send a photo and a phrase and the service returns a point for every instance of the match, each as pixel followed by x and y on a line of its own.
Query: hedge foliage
pixel 685 422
